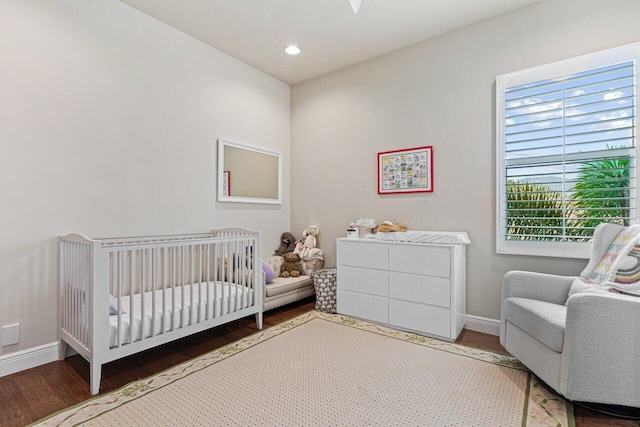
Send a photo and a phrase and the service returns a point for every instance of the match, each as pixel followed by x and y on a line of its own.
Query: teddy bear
pixel 287 244
pixel 291 267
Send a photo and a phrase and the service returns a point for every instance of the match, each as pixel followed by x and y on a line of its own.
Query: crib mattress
pixel 223 298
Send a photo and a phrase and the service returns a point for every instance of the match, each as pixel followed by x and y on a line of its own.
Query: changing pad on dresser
pixel 433 237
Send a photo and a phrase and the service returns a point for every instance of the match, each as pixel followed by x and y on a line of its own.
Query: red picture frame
pixel 409 170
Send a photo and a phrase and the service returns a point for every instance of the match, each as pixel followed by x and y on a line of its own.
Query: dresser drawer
pixel 423 318
pixel 363 280
pixel 422 289
pixel 362 254
pixel 416 259
pixel 363 306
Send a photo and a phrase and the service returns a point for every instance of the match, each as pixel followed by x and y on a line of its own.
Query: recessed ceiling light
pixel 292 49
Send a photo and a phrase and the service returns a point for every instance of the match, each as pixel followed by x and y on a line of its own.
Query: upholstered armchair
pixel 587 350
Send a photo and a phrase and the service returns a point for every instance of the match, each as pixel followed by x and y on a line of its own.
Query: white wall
pixel 440 92
pixel 108 125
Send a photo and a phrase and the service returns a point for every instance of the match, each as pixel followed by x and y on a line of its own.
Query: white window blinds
pixel 567 160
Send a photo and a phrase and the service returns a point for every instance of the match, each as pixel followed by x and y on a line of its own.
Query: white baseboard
pixel 29 358
pixel 483 324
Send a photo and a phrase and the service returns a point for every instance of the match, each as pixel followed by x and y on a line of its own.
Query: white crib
pixel 122 296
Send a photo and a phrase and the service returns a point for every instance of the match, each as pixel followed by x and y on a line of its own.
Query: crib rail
pixel 120 296
pixel 180 283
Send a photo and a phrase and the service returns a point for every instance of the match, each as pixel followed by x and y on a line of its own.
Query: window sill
pixel 546 249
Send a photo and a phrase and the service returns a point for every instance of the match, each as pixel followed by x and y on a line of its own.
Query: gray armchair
pixel 587 350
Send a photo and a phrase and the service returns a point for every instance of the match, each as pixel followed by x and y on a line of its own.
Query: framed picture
pixel 409 170
pixel 226 183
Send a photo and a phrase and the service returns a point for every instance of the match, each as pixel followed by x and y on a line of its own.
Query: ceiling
pixel 330 35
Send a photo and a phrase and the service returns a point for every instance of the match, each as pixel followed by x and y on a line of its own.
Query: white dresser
pixel 416 287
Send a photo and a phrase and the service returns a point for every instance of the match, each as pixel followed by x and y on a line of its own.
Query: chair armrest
pixel 601 351
pixel 538 286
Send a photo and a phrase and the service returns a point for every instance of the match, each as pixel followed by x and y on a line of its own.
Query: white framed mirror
pixel 248 174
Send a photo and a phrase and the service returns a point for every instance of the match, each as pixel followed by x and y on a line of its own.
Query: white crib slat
pixel 74 300
pixel 119 291
pixel 135 261
pixel 153 292
pixel 199 272
pixel 225 276
pixel 67 286
pixel 85 280
pixel 76 293
pixel 72 294
pixel 143 292
pixel 173 287
pixel 207 260
pixel 215 260
pixel 191 276
pixel 164 288
pixel 183 283
pixel 74 287
pixel 239 276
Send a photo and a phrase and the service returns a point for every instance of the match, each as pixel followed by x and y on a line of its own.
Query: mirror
pixel 248 174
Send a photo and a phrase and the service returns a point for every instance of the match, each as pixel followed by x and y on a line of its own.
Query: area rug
pixel 323 369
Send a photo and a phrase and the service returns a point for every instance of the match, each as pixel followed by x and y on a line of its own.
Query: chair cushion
pixel 281 285
pixel 542 320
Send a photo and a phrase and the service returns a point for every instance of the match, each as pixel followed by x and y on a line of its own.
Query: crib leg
pixel 259 320
pixel 62 350
pixel 96 371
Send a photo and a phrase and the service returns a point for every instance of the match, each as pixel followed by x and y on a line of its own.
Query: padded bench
pixel 287 290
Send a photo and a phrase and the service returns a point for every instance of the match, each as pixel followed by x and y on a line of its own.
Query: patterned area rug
pixel 328 369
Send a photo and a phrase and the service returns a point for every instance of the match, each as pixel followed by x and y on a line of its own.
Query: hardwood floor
pixel 29 395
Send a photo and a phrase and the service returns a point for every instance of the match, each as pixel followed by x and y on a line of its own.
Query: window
pixel 566 152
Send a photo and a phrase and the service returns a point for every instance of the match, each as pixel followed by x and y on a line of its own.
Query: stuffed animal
pixel 300 242
pixel 291 267
pixel 287 244
pixel 268 272
pixel 310 242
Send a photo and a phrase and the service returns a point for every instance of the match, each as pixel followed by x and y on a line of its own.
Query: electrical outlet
pixel 10 334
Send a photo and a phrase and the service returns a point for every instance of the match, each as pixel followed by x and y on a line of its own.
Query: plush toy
pixel 268 272
pixel 300 242
pixel 287 244
pixel 310 242
pixel 291 267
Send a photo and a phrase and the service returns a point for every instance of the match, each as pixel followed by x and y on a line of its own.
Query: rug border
pixel 141 387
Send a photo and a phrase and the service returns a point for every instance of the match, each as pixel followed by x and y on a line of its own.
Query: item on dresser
pixel 388 226
pixel 419 287
pixel 364 226
pixel 166 287
pixel 324 283
pixel 435 237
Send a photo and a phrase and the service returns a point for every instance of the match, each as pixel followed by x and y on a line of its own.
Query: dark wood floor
pixel 30 395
